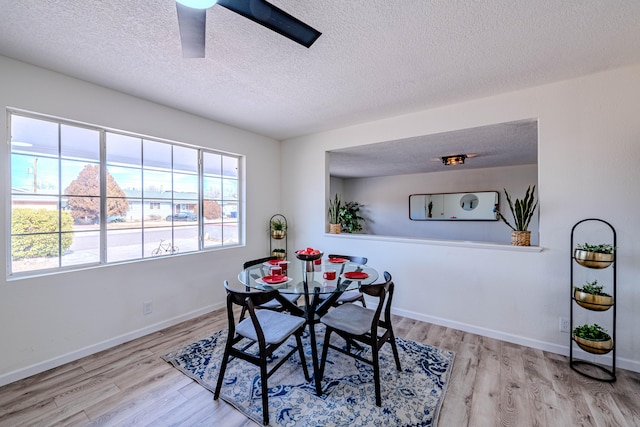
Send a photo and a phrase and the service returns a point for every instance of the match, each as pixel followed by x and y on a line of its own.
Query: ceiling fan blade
pixel 192 24
pixel 273 18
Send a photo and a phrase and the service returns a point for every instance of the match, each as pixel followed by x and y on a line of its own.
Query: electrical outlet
pixel 564 325
pixel 147 307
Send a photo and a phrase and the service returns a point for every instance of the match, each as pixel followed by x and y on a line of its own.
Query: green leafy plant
pixel 593 288
pixel 334 210
pixel 279 250
pixel 37 235
pixel 593 332
pixel 278 225
pixel 350 218
pixel 522 210
pixel 603 248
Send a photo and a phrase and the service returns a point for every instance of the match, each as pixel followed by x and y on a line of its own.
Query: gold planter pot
pixel 593 259
pixel 595 347
pixel 279 255
pixel 521 238
pixel 334 228
pixel 593 302
pixel 278 234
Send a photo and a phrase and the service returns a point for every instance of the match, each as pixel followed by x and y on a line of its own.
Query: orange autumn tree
pixel 212 209
pixel 85 200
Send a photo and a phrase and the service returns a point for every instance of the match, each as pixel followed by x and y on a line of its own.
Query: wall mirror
pixel 478 206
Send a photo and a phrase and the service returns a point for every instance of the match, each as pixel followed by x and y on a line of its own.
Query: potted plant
pixel 278 228
pixel 594 256
pixel 350 218
pixel 279 253
pixel 334 214
pixel 593 339
pixel 592 297
pixel 522 211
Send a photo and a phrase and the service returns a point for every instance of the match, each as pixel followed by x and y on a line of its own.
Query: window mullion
pixel 103 197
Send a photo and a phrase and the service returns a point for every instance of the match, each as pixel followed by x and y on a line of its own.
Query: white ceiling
pixel 375 58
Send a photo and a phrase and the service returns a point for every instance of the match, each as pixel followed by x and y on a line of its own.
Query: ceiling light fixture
pixel 198 4
pixel 458 159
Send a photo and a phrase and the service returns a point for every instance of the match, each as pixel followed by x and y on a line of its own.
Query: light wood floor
pixel 493 383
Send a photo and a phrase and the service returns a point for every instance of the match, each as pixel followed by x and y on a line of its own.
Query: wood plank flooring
pixel 493 383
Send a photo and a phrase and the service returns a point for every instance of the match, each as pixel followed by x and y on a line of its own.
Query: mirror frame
pixel 455 200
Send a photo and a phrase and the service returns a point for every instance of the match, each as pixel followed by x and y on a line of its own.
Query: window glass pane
pixel 119 213
pixel 185 159
pixel 157 212
pixel 23 258
pixel 157 184
pixel 186 237
pixel 79 143
pixel 34 136
pixel 230 233
pixel 80 178
pixel 185 186
pixel 230 210
pixel 124 244
pixel 128 179
pixel 156 155
pixel 84 211
pixel 230 166
pixel 230 189
pixel 212 210
pixel 184 212
pixel 212 188
pixel 158 242
pixel 85 248
pixel 123 150
pixel 212 164
pixel 34 174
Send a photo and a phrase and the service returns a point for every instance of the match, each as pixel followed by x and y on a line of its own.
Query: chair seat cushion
pixel 351 318
pixel 350 296
pixel 293 298
pixel 276 326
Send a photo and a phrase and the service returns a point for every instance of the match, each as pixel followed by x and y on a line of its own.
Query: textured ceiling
pixel 375 58
pixel 505 144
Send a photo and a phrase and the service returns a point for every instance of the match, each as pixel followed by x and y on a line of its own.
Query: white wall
pixel 48 320
pixel 589 147
pixel 386 202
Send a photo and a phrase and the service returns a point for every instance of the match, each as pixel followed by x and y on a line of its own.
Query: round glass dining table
pixel 313 280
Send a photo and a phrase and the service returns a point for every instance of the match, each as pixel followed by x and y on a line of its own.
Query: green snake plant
pixel 522 210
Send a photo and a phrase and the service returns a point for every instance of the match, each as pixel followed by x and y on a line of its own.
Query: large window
pixel 82 195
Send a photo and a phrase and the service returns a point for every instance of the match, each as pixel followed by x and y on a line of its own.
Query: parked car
pixel 116 218
pixel 183 216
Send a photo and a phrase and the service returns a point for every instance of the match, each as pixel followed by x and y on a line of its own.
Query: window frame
pixel 102 229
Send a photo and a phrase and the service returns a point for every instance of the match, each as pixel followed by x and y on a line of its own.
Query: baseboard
pixel 37 368
pixel 631 365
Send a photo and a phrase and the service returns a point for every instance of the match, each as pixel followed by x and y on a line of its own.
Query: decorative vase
pixel 279 255
pixel 334 228
pixel 521 238
pixel 278 234
pixel 592 259
pixel 593 302
pixel 595 347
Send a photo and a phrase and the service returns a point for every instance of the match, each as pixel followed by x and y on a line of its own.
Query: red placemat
pixel 274 279
pixel 356 275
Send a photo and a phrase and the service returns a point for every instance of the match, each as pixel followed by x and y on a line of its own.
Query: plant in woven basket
pixel 522 210
pixel 334 210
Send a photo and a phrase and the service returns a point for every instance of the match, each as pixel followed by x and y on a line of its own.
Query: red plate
pixel 275 261
pixel 356 275
pixel 271 280
pixel 338 260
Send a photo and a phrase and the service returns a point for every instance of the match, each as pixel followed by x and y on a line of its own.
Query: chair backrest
pixel 357 259
pixel 384 293
pixel 248 300
pixel 250 273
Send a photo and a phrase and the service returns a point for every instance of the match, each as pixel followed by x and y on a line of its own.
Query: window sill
pixel 439 242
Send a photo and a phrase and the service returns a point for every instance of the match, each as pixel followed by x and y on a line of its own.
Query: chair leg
pixel 364 304
pixel 325 348
pixel 223 367
pixel 376 373
pixel 265 391
pixel 392 341
pixel 302 358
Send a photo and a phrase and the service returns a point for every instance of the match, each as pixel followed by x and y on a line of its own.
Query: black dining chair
pixel 354 295
pixel 362 325
pixel 251 274
pixel 269 329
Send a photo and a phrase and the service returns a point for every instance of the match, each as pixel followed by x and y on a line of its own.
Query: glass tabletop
pixel 327 276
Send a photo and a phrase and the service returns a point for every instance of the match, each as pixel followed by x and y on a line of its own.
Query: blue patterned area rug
pixel 412 397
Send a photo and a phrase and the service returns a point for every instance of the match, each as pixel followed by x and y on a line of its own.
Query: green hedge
pixel 26 221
